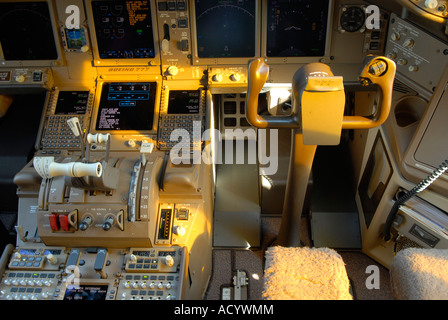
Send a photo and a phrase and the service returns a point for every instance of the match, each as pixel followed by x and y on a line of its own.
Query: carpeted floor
pixel 227 261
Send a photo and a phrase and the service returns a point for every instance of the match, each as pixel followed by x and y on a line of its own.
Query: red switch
pixel 63 222
pixel 53 222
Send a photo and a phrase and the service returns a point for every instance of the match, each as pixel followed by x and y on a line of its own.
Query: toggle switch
pixel 54 225
pixel 63 222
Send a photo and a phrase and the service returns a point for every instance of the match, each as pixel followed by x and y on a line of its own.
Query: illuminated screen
pixel 183 102
pixel 26 32
pixel 296 28
pixel 75 38
pixel 126 106
pixel 72 102
pixel 86 292
pixel 225 29
pixel 123 29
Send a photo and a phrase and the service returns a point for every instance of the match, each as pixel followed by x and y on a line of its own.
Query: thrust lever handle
pixel 47 168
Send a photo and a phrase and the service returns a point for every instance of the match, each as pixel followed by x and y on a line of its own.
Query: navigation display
pixel 183 102
pixel 26 32
pixel 72 102
pixel 225 29
pixel 123 29
pixel 126 106
pixel 296 28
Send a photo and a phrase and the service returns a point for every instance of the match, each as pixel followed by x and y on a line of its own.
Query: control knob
pixel 395 36
pixel 431 4
pixel 179 230
pixel 409 43
pixel 21 78
pixel 235 77
pixel 52 259
pixel 172 70
pixel 217 77
pixel 169 261
pixel 392 55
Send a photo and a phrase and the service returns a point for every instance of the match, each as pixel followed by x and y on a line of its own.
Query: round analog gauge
pixel 353 19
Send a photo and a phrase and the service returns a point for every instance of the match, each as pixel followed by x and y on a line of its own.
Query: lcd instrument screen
pixel 26 32
pixel 183 102
pixel 72 102
pixel 126 106
pixel 296 28
pixel 225 29
pixel 86 292
pixel 123 29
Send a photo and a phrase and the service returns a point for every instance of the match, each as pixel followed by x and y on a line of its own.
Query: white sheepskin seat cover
pixel 420 274
pixel 305 274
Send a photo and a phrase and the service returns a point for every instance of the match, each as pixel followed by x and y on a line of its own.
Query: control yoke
pixel 316 118
pixel 376 70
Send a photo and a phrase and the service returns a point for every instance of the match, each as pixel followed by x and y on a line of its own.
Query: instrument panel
pixel 138 76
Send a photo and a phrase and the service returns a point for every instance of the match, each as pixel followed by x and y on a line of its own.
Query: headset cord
pixel 408 195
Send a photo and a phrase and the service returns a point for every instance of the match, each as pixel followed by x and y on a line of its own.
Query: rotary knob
pixel 179 230
pixel 431 4
pixel 392 55
pixel 169 261
pixel 217 77
pixel 409 43
pixel 395 36
pixel 172 70
pixel 21 78
pixel 235 77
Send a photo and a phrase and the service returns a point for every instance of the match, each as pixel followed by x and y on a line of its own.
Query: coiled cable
pixel 408 195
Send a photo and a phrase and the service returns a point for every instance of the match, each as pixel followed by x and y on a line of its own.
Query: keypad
pixel 191 123
pixel 58 134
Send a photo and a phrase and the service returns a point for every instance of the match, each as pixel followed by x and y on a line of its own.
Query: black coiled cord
pixel 408 195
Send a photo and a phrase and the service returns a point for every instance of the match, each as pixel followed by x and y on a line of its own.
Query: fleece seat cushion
pixel 305 274
pixel 420 274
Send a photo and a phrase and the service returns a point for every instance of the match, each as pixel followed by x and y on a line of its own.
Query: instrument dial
pixel 352 19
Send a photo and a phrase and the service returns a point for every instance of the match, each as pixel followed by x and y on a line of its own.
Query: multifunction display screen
pixel 72 102
pixel 26 32
pixel 184 102
pixel 296 28
pixel 123 29
pixel 126 106
pixel 86 292
pixel 225 29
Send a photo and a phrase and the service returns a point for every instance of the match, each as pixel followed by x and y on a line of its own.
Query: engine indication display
pixel 297 28
pixel 123 29
pixel 225 29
